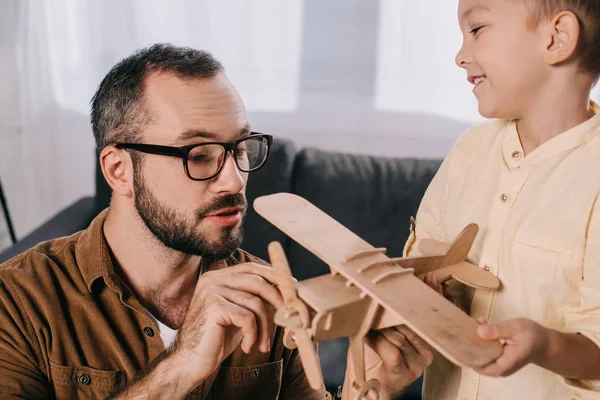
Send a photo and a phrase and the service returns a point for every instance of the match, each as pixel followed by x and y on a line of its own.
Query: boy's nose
pixel 463 58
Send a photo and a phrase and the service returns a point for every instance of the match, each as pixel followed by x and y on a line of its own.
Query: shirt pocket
pixel 543 249
pixel 553 258
pixel 257 382
pixel 79 382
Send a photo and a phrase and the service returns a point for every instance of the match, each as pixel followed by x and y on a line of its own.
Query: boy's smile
pixel 476 80
pixel 502 55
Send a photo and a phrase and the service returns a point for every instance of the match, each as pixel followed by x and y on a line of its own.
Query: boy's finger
pixel 497 331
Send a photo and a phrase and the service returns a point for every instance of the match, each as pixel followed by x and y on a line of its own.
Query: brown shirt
pixel 70 328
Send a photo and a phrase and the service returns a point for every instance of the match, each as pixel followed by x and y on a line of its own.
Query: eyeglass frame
pixel 184 151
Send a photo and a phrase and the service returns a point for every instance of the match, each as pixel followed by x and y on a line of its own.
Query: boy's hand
pixel 525 341
pixel 441 288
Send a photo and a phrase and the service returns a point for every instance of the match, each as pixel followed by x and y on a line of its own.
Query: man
pixel 155 299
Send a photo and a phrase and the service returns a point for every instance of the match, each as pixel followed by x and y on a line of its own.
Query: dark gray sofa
pixel 373 196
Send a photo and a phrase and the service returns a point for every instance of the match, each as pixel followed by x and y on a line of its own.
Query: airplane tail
pixel 459 249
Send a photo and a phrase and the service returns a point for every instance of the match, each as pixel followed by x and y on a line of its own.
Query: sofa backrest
pixel 372 196
pixel 274 177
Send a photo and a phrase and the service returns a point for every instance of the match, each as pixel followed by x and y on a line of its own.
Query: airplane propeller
pixel 294 317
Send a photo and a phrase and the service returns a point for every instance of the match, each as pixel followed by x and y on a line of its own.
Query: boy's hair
pixel 588 14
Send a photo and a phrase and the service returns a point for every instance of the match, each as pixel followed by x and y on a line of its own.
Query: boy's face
pixel 503 56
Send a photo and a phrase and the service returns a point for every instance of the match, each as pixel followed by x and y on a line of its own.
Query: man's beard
pixel 180 233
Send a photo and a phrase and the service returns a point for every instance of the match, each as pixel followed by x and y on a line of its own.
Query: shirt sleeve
pixel 295 386
pixel 20 375
pixel 429 223
pixel 584 317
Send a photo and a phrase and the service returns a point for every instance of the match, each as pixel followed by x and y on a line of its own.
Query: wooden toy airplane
pixel 367 290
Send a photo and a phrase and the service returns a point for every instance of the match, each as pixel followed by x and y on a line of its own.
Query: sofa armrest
pixel 74 218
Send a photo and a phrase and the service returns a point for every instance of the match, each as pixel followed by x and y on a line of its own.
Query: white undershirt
pixel 167 334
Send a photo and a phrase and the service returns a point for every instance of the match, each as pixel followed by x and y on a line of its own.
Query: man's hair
pixel 118 113
pixel 588 14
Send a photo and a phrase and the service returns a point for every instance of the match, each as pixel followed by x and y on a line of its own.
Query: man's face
pixel 502 54
pixel 193 217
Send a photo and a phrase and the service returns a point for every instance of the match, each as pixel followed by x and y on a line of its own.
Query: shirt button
pixel 487 268
pixel 256 373
pixel 517 155
pixel 84 379
pixel 504 197
pixel 148 331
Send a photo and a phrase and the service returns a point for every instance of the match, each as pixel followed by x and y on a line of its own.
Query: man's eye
pixel 240 151
pixel 200 158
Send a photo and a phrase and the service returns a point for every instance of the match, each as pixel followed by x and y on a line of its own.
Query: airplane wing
pixel 445 327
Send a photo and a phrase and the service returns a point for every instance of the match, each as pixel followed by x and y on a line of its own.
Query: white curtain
pixel 411 100
pixel 416 72
pixel 418 42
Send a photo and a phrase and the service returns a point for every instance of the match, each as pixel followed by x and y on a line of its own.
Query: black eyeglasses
pixel 204 161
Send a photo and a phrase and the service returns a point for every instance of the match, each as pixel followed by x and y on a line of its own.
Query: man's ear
pixel 563 37
pixel 117 169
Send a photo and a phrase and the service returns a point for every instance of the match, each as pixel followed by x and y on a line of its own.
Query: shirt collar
pixel 95 261
pixel 512 150
pixel 93 255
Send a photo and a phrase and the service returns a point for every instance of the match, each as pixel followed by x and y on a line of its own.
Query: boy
pixel 529 178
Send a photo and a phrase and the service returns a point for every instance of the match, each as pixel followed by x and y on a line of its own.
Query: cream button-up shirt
pixel 539 222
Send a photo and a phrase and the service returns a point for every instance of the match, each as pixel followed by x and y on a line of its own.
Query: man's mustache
pixel 227 201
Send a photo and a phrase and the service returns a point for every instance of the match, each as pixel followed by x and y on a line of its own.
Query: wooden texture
pixel 448 329
pixel 464 272
pixel 295 317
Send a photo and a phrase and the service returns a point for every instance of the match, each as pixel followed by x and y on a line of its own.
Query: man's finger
pixel 421 346
pixel 266 272
pixel 243 319
pixel 388 352
pixel 256 305
pixel 410 355
pixel 254 284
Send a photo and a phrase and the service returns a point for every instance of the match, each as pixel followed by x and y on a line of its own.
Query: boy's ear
pixel 563 38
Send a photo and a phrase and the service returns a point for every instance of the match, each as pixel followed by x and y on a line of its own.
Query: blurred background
pixel 363 95
pixel 360 76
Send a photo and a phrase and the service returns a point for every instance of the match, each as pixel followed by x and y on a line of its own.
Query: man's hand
pixel 525 342
pixel 396 357
pixel 228 308
pixel 404 356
